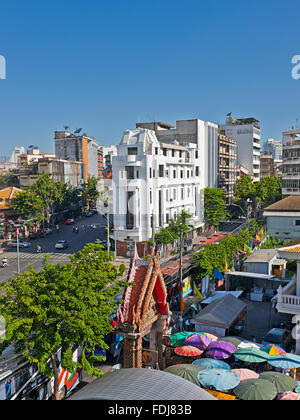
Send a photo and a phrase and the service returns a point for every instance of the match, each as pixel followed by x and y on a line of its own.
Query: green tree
pixel 9 179
pixel 49 191
pixel 60 307
pixel 214 207
pixel 27 204
pixel 91 193
pixel 268 190
pixel 244 191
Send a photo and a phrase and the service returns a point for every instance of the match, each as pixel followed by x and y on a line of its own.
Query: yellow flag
pixel 258 238
pixel 226 266
pixel 197 293
pixel 261 232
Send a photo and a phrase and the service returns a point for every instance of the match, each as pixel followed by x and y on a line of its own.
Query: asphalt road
pixel 76 242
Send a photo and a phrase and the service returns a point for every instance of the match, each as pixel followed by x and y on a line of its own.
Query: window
pixel 182 193
pixel 150 172
pixel 132 151
pixel 297 222
pixel 150 197
pixel 130 172
pixel 174 173
pixel 156 150
pixel 197 170
pixel 164 151
pixel 129 215
pixel 161 171
pixel 181 173
pixel 173 153
pixel 196 154
pixel 174 194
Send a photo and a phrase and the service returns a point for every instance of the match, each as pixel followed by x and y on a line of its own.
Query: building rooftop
pixel 263 255
pixel 291 203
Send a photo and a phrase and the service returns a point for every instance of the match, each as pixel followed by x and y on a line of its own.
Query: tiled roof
pixel 9 193
pixel 291 203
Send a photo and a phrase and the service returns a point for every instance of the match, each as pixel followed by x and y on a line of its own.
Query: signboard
pixel 187 287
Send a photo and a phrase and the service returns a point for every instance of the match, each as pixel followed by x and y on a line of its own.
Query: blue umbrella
pixel 285 361
pixel 218 379
pixel 208 363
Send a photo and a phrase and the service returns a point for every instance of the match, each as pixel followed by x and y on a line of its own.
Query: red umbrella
pixel 188 351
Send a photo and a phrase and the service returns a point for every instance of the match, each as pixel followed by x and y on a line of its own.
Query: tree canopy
pixel 214 206
pixel 62 306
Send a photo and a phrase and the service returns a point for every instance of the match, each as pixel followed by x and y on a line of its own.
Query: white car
pixel 22 244
pixel 62 244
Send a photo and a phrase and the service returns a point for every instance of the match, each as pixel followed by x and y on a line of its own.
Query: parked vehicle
pixel 88 213
pixel 280 336
pixel 69 222
pixel 48 231
pixel 22 244
pixel 61 244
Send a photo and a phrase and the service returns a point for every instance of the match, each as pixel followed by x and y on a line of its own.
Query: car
pixel 61 244
pixel 22 244
pixel 69 222
pixel 197 247
pixel 88 213
pixel 280 336
pixel 48 231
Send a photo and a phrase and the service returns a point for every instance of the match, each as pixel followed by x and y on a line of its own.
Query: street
pixel 76 242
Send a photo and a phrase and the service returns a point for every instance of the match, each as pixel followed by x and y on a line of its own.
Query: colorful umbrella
pixel 245 374
pixel 188 351
pixel 288 396
pixel 218 379
pixel 220 349
pixel 211 336
pixel 247 344
pixel 234 340
pixel 285 361
pixel 186 371
pixel 199 341
pixel 273 350
pixel 256 390
pixel 177 339
pixel 208 363
pixel 282 382
pixel 251 355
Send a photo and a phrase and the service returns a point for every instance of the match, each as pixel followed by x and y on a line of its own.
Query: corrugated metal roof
pixel 141 384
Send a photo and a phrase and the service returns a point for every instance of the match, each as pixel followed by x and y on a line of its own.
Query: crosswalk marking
pixel 60 257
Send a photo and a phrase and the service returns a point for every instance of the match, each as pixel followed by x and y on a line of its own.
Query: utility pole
pixel 108 232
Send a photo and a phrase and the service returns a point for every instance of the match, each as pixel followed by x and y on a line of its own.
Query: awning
pixel 221 313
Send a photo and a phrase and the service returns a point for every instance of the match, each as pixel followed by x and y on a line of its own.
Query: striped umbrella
pixel 273 350
pixel 199 341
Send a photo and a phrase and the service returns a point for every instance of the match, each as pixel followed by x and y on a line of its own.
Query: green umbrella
pixel 256 390
pixel 233 340
pixel 282 382
pixel 177 339
pixel 251 355
pixel 186 371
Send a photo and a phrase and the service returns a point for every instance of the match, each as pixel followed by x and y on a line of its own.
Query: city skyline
pixel 105 67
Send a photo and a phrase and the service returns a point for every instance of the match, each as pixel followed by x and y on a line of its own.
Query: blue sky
pixel 105 65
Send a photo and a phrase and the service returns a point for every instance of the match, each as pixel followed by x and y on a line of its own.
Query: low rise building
pixel 283 218
pixel 68 172
pixel 267 168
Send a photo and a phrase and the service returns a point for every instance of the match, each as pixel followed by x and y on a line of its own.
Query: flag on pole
pixel 240 252
pixel 258 238
pixel 248 249
pixel 197 292
pixel 235 257
pixel 218 275
pixel 226 266
pixel 250 245
pixel 181 303
pixel 261 232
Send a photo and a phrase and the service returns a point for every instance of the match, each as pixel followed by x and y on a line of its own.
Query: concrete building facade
pixel 247 133
pixel 153 182
pixel 291 162
pixel 79 148
pixel 267 167
pixel 227 176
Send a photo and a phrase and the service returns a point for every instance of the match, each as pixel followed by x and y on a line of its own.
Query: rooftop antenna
pixel 77 131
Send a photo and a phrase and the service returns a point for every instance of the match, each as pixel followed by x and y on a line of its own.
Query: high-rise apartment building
pixel 273 147
pixel 247 133
pixel 80 148
pixel 227 165
pixel 291 162
pixel 267 167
